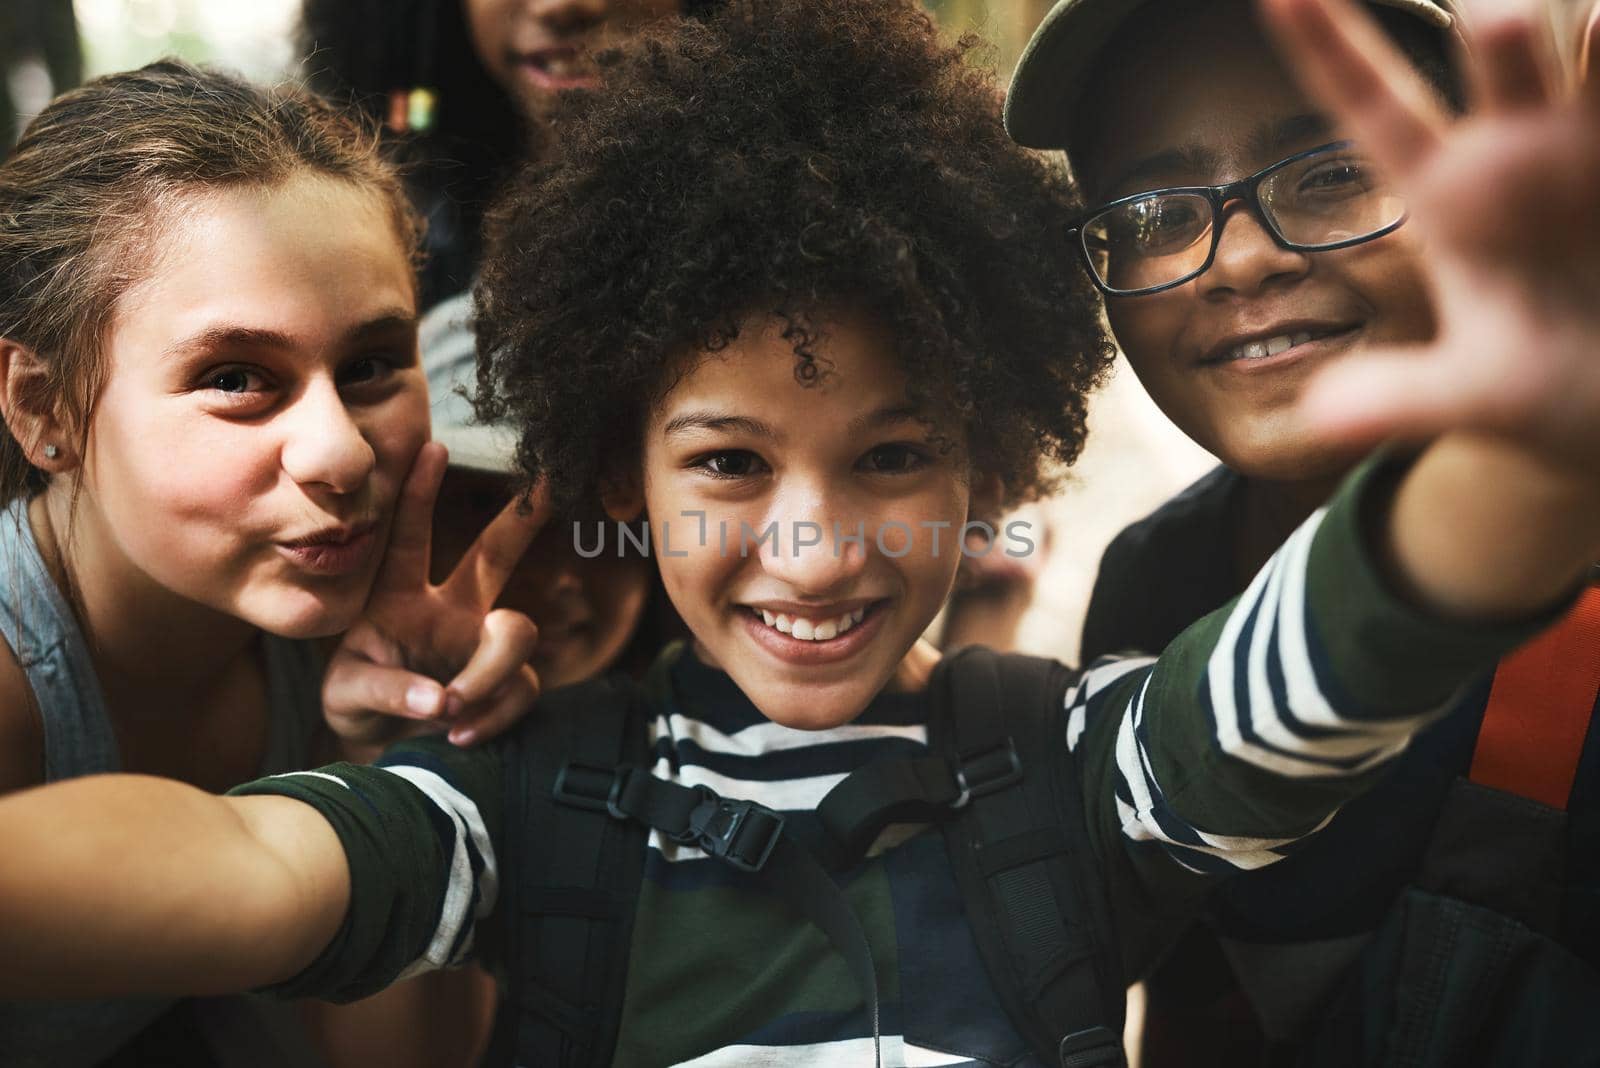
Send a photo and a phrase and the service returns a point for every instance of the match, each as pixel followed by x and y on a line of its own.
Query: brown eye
pixel 235 380
pixel 733 464
pixel 893 459
pixel 366 370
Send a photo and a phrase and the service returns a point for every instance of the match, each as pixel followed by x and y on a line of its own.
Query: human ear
pixel 988 491
pixel 30 413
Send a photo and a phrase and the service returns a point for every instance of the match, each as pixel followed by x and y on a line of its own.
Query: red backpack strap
pixel 1539 709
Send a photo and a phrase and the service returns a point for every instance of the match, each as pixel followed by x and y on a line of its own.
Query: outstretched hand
pixel 387 671
pixel 1506 202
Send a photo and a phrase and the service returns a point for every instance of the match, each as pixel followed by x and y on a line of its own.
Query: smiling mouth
pixel 554 69
pixel 811 630
pixel 1263 348
pixel 815 640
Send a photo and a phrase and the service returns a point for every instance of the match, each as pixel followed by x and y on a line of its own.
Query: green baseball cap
pixel 1055 67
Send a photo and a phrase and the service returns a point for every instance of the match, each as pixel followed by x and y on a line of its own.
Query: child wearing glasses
pixel 1246 233
pixel 738 298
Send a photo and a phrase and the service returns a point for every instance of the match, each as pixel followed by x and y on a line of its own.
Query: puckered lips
pixel 334 550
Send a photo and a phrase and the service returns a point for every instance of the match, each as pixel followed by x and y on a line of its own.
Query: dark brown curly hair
pixel 797 158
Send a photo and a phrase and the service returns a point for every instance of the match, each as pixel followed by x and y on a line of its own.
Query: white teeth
pixel 808 630
pixel 1272 346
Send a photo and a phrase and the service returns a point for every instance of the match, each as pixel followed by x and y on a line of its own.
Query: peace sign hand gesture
pixel 1506 202
pixel 386 671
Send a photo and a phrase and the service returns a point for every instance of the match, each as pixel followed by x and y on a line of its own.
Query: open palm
pixel 1506 203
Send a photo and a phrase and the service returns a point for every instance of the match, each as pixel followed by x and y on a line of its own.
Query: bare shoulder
pixel 21 731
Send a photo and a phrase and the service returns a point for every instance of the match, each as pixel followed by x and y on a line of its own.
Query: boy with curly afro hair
pixel 838 156
pixel 787 293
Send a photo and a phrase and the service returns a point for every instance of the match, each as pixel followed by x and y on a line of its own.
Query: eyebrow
pixel 1275 139
pixel 247 337
pixel 712 420
pixel 1190 158
pixel 1268 141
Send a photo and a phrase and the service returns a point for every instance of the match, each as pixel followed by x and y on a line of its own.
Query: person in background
pixel 1227 301
pixel 595 612
pixel 464 89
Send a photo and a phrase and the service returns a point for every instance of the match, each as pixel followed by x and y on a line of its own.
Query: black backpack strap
pixel 901 790
pixel 744 834
pixel 571 881
pixel 1019 846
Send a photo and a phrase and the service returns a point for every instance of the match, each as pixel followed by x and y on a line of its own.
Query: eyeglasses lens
pixel 1150 241
pixel 1325 199
pixel 1328 199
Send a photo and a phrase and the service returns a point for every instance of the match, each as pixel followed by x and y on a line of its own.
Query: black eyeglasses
pixel 1324 198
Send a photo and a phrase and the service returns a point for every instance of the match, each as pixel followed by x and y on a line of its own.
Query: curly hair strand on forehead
pixel 822 155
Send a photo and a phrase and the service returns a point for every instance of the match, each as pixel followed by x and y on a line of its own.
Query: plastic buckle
pixel 743 833
pixel 992 770
pixel 581 785
pixel 1095 1047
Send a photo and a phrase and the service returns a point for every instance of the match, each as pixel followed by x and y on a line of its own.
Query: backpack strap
pixel 746 835
pixel 572 881
pixel 1540 707
pixel 1019 846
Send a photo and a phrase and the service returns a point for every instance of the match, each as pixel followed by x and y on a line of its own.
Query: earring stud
pixel 51 452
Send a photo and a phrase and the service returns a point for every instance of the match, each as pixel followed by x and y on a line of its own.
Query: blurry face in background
pixel 586 610
pixel 1194 95
pixel 535 49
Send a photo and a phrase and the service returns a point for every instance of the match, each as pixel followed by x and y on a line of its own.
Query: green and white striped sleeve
pixel 420 830
pixel 1261 719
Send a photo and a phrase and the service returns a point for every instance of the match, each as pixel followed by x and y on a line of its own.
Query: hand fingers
pixel 1588 67
pixel 405 560
pixel 1364 399
pixel 503 710
pixel 506 642
pixel 354 689
pixel 1513 66
pixel 487 566
pixel 1349 65
pixel 366 642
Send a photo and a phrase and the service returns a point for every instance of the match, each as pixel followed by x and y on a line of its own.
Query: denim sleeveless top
pixel 43 633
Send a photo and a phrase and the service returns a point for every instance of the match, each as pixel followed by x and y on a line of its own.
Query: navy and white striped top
pixel 1220 757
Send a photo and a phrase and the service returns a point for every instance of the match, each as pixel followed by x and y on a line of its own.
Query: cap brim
pixel 1055 67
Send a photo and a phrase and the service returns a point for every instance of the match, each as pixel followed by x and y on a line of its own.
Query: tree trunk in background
pixel 44 31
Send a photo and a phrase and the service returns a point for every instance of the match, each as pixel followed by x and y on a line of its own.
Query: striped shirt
pixel 1221 757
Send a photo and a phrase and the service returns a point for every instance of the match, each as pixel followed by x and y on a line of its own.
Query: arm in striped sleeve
pixel 1260 720
pixel 419 830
